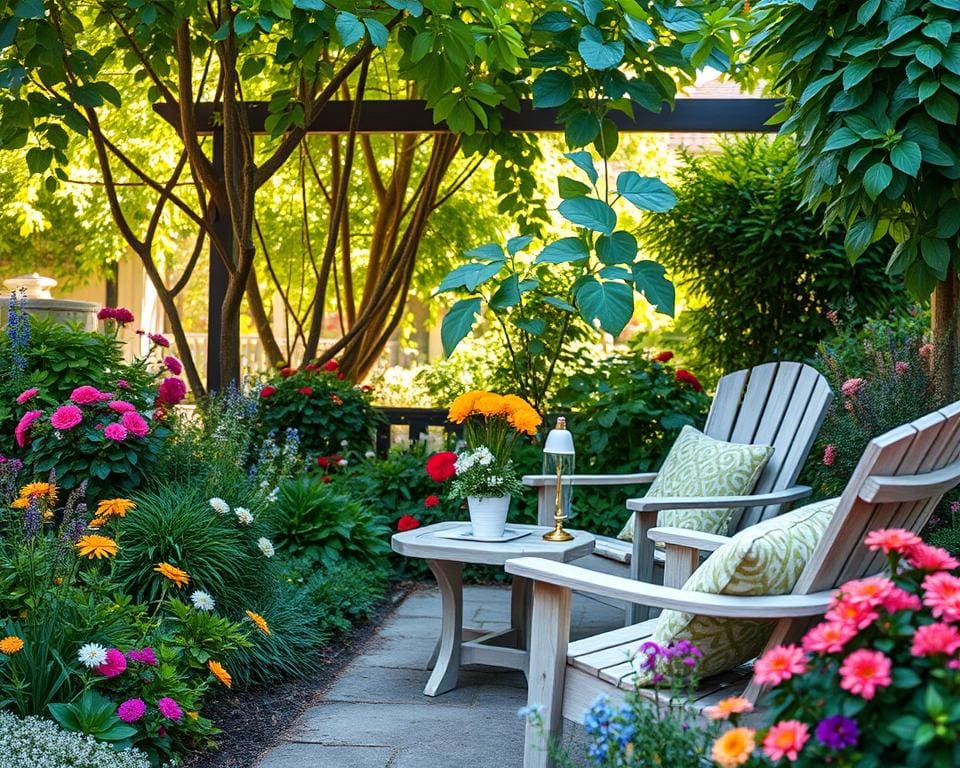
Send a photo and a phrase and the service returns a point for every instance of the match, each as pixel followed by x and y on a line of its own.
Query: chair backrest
pixel 778 404
pixel 898 482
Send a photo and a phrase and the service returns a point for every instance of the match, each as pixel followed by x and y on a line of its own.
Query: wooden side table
pixel 460 645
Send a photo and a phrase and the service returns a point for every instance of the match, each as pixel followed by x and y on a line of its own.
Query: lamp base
pixel 557 534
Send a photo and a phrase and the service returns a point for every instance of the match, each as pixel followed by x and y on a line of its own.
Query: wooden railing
pixel 402 425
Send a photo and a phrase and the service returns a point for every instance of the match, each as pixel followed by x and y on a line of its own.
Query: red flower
pixel 331 365
pixel 305 390
pixel 171 391
pixel 686 377
pixel 323 461
pixel 440 466
pixel 431 501
pixel 268 391
pixel 407 523
pixel 311 368
pixel 340 376
pixel 325 479
pixel 288 371
pixel 663 357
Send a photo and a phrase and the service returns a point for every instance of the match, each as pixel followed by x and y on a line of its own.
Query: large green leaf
pixel 609 303
pixel 518 243
pixel 568 187
pixel 349 28
pixel 486 252
pixel 552 21
pixel 858 238
pixel 552 88
pixel 942 107
pixel 618 248
pixel 646 192
pixel 590 213
pixel 906 157
pixel 584 162
pixel 457 323
pixel 469 276
pixel 650 279
pixel 596 53
pixel 582 128
pixel 876 179
pixel 508 294
pixel 936 254
pixel 563 250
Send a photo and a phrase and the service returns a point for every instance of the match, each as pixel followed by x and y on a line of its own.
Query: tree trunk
pixel 262 321
pixel 944 308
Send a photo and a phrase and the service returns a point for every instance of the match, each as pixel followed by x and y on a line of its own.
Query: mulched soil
pixel 254 720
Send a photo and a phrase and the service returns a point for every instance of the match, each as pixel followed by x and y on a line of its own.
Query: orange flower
pixel 114 507
pixel 177 576
pixel 35 490
pixel 21 503
pixel 490 404
pixel 93 546
pixel 733 705
pixel 462 407
pixel 261 622
pixel 733 748
pixel 96 522
pixel 11 645
pixel 218 671
pixel 525 420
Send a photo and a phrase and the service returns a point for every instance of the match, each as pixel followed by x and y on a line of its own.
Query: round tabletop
pixel 425 543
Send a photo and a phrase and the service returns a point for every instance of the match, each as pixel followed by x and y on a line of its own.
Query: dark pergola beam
pixel 413 116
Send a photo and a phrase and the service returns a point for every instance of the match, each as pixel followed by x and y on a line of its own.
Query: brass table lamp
pixel 558 459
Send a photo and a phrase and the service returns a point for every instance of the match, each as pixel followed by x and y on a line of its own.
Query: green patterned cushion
pixel 764 559
pixel 698 465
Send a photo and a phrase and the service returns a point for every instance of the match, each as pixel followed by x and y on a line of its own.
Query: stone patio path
pixel 376 716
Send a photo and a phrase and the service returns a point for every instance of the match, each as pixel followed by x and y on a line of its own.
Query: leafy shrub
pixel 346 594
pixel 314 518
pixel 331 413
pixel 42 744
pixel 761 272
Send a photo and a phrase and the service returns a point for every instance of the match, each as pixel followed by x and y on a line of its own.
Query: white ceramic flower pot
pixel 488 515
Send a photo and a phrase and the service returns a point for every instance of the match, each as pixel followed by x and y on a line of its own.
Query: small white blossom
pixel 219 505
pixel 202 601
pixel 342 463
pixel 370 454
pixel 266 546
pixel 272 496
pixel 92 655
pixel 244 515
pixel 344 443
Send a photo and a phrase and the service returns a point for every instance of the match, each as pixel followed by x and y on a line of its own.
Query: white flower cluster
pixel 266 546
pixel 466 460
pixel 219 505
pixel 36 743
pixel 244 516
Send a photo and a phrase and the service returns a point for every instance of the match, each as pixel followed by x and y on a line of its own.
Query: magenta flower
pixel 144 656
pixel 159 339
pixel 901 367
pixel 66 417
pixel 829 455
pixel 169 708
pixel 121 406
pixel 173 365
pixel 135 424
pixel 864 671
pixel 851 387
pixel 116 432
pixel 122 384
pixel 23 426
pixel 132 710
pixel 85 395
pixel 26 395
pixel 171 391
pixel 115 664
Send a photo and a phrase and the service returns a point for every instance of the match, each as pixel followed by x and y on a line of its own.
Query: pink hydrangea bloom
pixel 927 558
pixel 26 395
pixel 936 638
pixel 135 424
pixel 171 391
pixel 942 595
pixel 121 406
pixel 66 417
pixel 132 710
pixel 169 708
pixel 864 671
pixel 785 740
pixel 23 426
pixel 851 387
pixel 890 540
pixel 85 395
pixel 173 365
pixel 115 664
pixel 115 431
pixel 828 637
pixel 829 455
pixel 779 664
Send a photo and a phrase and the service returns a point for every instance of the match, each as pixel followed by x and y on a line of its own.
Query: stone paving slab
pixel 376 716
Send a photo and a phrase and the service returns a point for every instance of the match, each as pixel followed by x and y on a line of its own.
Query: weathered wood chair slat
pixel 899 480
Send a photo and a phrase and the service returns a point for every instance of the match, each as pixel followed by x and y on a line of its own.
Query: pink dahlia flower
pixel 890 540
pixel 116 432
pixel 942 595
pixel 900 600
pixel 85 395
pixel 786 739
pixel 927 558
pixel 858 615
pixel 27 394
pixel 169 708
pixel 171 391
pixel 779 664
pixel 23 426
pixel 145 655
pixel 135 424
pixel 173 365
pixel 159 339
pixel 121 406
pixel 864 671
pixel 937 638
pixel 828 637
pixel 871 591
pixel 132 710
pixel 66 417
pixel 115 664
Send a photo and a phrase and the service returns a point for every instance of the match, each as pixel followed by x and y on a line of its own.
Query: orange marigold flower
pixel 490 404
pixel 179 577
pixel 462 407
pixel 96 522
pixel 36 490
pixel 732 705
pixel 22 503
pixel 114 507
pixel 733 748
pixel 261 622
pixel 526 420
pixel 218 671
pixel 11 645
pixel 93 546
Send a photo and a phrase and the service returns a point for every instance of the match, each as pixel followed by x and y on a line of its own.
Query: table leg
pixel 447 666
pixel 521 605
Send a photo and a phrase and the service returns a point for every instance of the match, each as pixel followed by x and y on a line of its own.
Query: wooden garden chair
pixel 777 404
pixel 898 482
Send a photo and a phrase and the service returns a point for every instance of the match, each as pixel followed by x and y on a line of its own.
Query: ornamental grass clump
pixel 492 424
pixel 876 683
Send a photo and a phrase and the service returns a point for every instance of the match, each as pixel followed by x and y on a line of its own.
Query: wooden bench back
pixel 778 404
pixel 898 482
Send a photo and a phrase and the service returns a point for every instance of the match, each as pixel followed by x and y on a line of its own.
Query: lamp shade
pixel 559 440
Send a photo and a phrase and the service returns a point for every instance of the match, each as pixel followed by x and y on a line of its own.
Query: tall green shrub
pixel 760 271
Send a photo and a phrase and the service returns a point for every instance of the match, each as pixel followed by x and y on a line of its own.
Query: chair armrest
pixel 701 603
pixel 538 481
pixel 684 537
pixel 655 504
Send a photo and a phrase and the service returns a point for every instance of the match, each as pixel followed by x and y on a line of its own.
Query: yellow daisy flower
pixel 22 503
pixel 114 507
pixel 218 671
pixel 179 577
pixel 261 622
pixel 93 546
pixel 11 645
pixel 96 522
